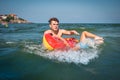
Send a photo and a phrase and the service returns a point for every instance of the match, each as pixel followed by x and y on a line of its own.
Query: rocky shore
pixel 11 18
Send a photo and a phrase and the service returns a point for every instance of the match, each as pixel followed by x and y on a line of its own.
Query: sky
pixel 67 11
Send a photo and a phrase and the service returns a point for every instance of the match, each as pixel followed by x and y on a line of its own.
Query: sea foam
pixel 82 56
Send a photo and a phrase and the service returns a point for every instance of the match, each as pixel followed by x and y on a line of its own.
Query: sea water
pixel 23 57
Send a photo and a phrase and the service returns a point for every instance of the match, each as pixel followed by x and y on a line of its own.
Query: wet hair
pixel 53 19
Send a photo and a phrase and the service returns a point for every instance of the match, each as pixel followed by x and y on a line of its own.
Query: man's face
pixel 54 25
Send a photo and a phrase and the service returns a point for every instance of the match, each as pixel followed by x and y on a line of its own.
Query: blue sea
pixel 22 56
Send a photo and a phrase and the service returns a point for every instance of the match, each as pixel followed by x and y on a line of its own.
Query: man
pixel 56 32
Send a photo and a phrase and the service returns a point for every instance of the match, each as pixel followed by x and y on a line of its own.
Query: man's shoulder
pixel 47 31
pixel 62 30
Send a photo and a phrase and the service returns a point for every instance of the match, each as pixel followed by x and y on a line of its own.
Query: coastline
pixel 5 19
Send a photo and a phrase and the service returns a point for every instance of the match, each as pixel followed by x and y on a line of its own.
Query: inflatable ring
pixel 52 43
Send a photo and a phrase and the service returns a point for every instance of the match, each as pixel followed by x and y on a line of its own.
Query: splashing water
pixel 83 56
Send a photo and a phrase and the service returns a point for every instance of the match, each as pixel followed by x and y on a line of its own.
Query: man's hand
pixel 74 32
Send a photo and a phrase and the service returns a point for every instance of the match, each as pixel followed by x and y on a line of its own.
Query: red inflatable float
pixel 52 43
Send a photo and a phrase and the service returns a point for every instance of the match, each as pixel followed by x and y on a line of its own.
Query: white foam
pixel 83 56
pixel 9 42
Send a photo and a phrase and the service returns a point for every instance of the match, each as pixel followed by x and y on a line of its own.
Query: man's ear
pixel 50 25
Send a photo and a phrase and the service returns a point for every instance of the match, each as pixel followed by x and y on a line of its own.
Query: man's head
pixel 53 19
pixel 54 24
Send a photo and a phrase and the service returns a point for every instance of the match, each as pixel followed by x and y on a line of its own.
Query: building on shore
pixel 11 18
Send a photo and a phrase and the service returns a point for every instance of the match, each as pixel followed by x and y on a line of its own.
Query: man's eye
pixel 55 24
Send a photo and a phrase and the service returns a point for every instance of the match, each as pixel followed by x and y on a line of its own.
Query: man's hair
pixel 53 19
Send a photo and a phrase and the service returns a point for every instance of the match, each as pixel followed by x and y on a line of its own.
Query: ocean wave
pixel 82 56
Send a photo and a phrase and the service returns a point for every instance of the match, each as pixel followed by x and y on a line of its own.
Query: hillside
pixel 11 18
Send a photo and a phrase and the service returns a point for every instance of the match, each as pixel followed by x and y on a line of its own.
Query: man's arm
pixel 70 32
